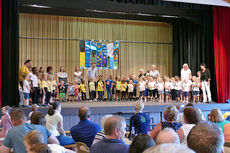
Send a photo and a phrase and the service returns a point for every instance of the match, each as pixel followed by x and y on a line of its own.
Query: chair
pixel 82 147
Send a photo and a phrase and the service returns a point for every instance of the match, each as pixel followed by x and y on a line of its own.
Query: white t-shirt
pixel 142 86
pixel 168 86
pixel 52 122
pixel 154 73
pixel 160 86
pixel 25 85
pixel 173 84
pixel 77 75
pixel 186 129
pixel 185 74
pixel 55 148
pixel 151 85
pixel 178 85
pixel 35 80
pixel 185 87
pixel 194 86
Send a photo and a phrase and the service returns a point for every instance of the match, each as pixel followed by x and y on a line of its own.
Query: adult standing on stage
pixel 77 74
pixel 49 70
pixel 185 72
pixel 205 78
pixel 63 76
pixel 142 73
pixel 24 70
pixel 154 72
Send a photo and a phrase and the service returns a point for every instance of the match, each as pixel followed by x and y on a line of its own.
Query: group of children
pixel 43 88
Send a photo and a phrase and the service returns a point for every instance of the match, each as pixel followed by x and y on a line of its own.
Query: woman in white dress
pixel 77 74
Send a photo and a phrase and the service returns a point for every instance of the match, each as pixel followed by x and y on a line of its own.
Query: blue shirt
pixel 108 83
pixel 110 146
pixel 135 82
pixel 15 137
pixel 85 132
pixel 141 123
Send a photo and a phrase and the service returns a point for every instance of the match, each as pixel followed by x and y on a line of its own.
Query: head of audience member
pixel 167 135
pixel 206 138
pixel 5 110
pixel 77 69
pixel 140 143
pixel 169 148
pixel 153 67
pixel 38 118
pixel 103 119
pixel 84 113
pixel 40 148
pixel 192 115
pixel 170 113
pixel 202 66
pixel 18 117
pixel 185 66
pixel 32 138
pixel 115 127
pixel 93 65
pixel 216 116
pixel 139 106
pixel 28 63
pixel 62 69
pixel 49 69
pixel 34 70
pixel 55 107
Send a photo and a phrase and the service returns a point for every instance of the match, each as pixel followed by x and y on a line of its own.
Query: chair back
pixel 82 147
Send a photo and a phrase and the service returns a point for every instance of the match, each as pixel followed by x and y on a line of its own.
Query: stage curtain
pixel 0 50
pixel 56 53
pixel 10 53
pixel 193 44
pixel 221 22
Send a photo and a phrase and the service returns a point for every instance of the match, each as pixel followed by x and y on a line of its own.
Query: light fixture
pixel 37 6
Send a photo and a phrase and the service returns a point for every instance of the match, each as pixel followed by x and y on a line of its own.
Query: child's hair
pixel 44 75
pixel 34 107
pixel 38 118
pixel 116 77
pixel 91 79
pixel 62 82
pixel 177 78
pixel 24 76
pixel 160 80
pixel 130 81
pixel 110 76
pixel 33 69
pixel 34 137
pixel 40 148
pixel 49 77
pixel 75 82
pixel 122 81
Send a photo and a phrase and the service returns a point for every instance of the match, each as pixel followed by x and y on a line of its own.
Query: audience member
pixel 191 118
pixel 168 135
pixel 170 116
pixel 101 134
pixel 35 137
pixel 206 138
pixel 226 132
pixel 140 143
pixel 5 122
pixel 34 108
pixel 169 148
pixel 40 148
pixel 140 121
pixel 115 132
pixel 54 123
pixel 180 108
pixel 38 118
pixel 217 118
pixel 14 138
pixel 85 130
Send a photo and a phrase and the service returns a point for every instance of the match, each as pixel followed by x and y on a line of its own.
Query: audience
pixel 191 118
pixel 14 138
pixel 217 118
pixel 169 148
pixel 5 122
pixel 34 109
pixel 140 121
pixel 85 130
pixel 226 132
pixel 206 138
pixel 168 135
pixel 38 118
pixel 180 108
pixel 101 134
pixel 170 115
pixel 54 123
pixel 35 137
pixel 115 132
pixel 140 143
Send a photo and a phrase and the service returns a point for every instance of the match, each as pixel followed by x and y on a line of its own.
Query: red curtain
pixel 221 25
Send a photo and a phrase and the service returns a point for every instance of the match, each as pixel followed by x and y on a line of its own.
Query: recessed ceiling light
pixel 38 6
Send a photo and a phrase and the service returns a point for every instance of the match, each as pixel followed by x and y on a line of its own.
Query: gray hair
pixel 185 64
pixel 153 66
pixel 168 135
pixel 103 119
pixel 169 148
pixel 113 122
pixel 139 106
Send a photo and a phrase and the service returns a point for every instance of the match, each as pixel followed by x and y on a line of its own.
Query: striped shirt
pixel 99 136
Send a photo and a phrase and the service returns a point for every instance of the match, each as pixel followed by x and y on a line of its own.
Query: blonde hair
pixel 171 113
pixel 216 116
pixel 139 106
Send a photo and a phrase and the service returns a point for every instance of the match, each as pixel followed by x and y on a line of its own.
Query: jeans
pixel 109 94
pixel 100 95
pixel 65 140
pixel 92 95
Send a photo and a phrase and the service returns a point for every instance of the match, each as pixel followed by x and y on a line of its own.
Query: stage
pixel 124 108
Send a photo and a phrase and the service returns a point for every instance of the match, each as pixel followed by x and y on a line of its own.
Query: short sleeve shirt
pixel 185 74
pixel 22 70
pixel 52 123
pixel 35 80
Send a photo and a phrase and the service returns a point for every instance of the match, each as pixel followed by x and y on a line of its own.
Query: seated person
pixel 85 130
pixel 168 135
pixel 140 143
pixel 15 137
pixel 217 118
pixel 5 122
pixel 140 121
pixel 170 115
pixel 40 148
pixel 206 138
pixel 115 133
pixel 35 137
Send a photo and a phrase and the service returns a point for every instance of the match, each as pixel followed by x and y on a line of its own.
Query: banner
pixel 105 56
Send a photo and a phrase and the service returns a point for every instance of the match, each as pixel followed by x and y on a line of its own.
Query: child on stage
pixel 83 90
pixel 178 87
pixel 92 89
pixel 62 91
pixel 167 89
pixel 160 89
pixel 26 90
pixel 76 91
pixel 142 89
pixel 44 88
pixel 135 83
pixel 185 88
pixel 151 86
pixel 109 83
pixel 118 89
pixel 100 88
pixel 196 89
pixel 123 90
pixel 54 89
pixel 130 90
pixel 71 91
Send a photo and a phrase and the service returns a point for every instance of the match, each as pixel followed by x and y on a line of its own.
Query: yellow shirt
pixel 92 86
pixel 49 86
pixel 44 84
pixel 54 84
pixel 123 87
pixel 118 85
pixel 22 70
pixel 100 86
pixel 39 83
pixel 82 88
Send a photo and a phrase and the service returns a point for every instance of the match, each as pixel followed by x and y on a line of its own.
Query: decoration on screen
pixel 105 56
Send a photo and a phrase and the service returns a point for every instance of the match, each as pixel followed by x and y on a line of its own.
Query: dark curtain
pixel 193 44
pixel 221 22
pixel 0 49
pixel 10 53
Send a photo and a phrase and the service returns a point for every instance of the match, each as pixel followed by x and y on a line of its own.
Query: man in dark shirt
pixel 205 78
pixel 114 128
pixel 85 130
